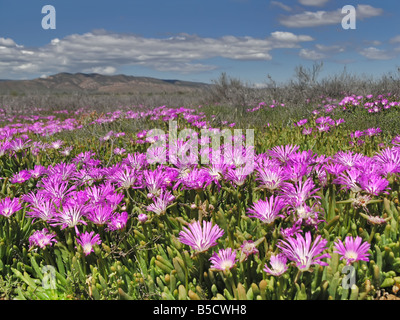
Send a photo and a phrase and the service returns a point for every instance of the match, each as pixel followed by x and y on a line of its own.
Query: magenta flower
pixel 201 238
pixel 303 251
pixel 135 161
pixel 155 180
pixel 99 214
pixel 118 221
pixel 267 211
pixel 237 176
pixel 9 206
pixel 374 184
pixel 87 241
pixel 194 178
pixel 278 265
pixel 126 178
pixel 296 194
pixel 352 250
pixel 38 171
pixel 271 177
pixel 56 189
pixel 43 209
pixel 42 238
pixel 160 204
pixel 223 260
pixel 282 153
pixel 20 177
pixel 71 215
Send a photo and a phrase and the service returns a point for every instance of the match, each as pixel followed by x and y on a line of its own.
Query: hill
pixel 97 83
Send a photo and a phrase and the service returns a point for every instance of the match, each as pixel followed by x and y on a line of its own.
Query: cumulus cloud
pixel 104 52
pixel 373 53
pixel 321 17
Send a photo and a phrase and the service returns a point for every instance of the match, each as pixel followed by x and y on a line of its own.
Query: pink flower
pixel 247 248
pixel 9 206
pixel 223 260
pixel 42 238
pixel 199 237
pixel 118 221
pixel 278 265
pixel 267 210
pixel 303 251
pixel 352 250
pixel 87 241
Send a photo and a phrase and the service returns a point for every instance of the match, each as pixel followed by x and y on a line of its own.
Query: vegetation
pixel 94 206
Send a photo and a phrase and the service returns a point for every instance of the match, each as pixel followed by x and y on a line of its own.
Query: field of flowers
pixel 105 206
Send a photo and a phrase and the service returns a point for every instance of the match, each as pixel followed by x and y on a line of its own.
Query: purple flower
pixel 119 151
pixel 223 260
pixel 278 265
pixel 9 206
pixel 268 210
pixel 56 144
pixel 352 250
pixel 42 238
pixel 201 238
pixel 303 251
pixel 87 241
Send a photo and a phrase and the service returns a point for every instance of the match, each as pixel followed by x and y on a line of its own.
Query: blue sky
pixel 196 40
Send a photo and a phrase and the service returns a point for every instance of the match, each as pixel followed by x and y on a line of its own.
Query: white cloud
pixel 373 53
pixel 311 54
pixel 321 18
pixel 330 49
pixel 108 70
pixel 395 39
pixel 289 37
pixel 316 3
pixel 104 52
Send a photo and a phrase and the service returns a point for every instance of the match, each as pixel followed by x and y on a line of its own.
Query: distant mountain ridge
pixel 98 83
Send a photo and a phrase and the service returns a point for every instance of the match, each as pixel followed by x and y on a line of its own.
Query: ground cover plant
pixel 87 210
